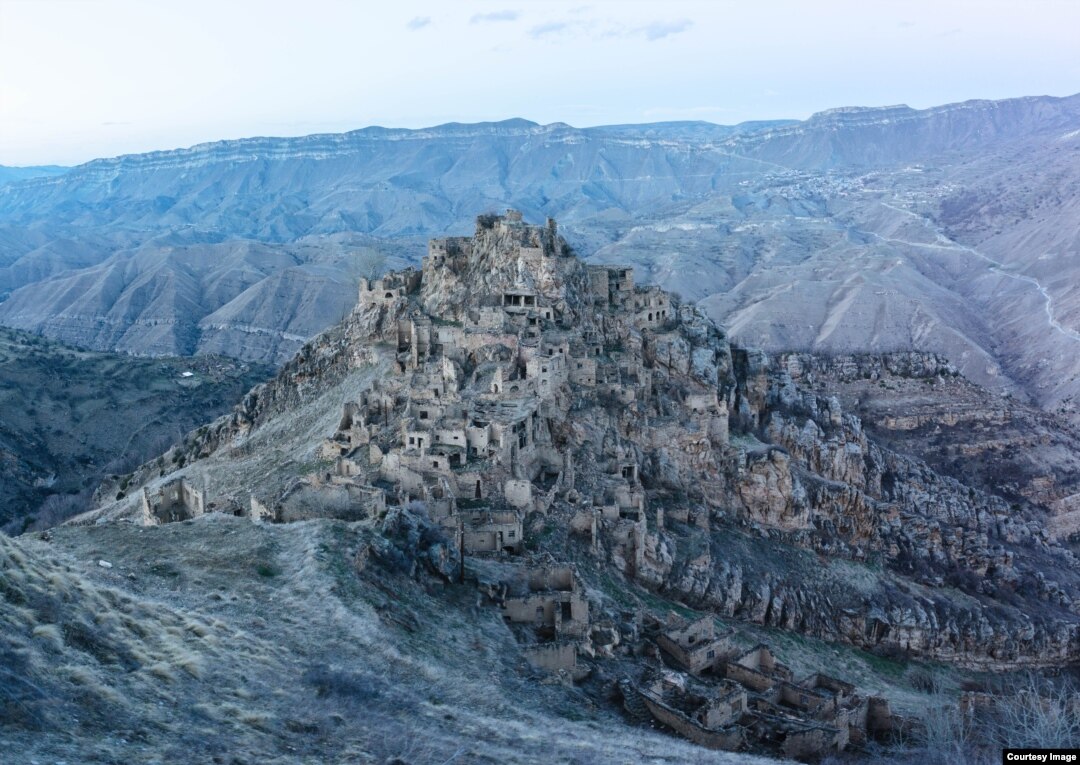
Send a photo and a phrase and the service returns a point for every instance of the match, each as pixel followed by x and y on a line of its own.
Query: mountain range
pixel 948 229
pixel 9 174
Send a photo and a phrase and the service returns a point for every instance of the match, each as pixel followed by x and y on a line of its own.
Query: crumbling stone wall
pixel 176 500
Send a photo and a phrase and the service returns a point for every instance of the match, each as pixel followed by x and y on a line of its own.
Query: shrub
pixel 1031 713
pixel 342 684
pixel 20 697
pixel 267 570
pixel 925 680
pixel 1037 714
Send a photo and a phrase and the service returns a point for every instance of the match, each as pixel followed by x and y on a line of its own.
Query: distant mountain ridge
pixel 327 145
pixel 12 174
pixel 744 135
pixel 516 160
pixel 835 233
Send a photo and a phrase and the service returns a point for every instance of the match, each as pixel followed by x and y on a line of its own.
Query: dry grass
pixel 313 665
pixel 49 634
pixel 1025 711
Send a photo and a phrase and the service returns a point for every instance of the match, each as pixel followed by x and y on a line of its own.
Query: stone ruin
pixel 723 698
pixel 546 607
pixel 173 501
pixel 552 603
pixel 705 688
pixel 506 352
pixel 695 646
pixel 494 340
pixel 521 384
pixel 501 346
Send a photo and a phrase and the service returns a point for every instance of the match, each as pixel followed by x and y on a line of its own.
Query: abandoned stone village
pixel 524 385
pixel 567 435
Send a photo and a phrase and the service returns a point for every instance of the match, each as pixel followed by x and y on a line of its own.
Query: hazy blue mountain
pixel 946 229
pixel 391 182
pixel 9 174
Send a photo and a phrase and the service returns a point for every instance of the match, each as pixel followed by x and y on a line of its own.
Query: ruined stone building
pixel 694 646
pixel 749 698
pixel 175 500
pixel 523 382
pixel 553 604
pixel 522 407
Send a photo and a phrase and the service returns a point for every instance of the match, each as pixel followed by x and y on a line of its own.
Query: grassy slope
pixel 69 417
pixel 218 640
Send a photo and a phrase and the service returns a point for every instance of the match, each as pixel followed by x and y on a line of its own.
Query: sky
pixel 81 79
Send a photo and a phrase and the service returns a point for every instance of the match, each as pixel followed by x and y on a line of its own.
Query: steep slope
pixel 1015 451
pixel 71 417
pixel 225 641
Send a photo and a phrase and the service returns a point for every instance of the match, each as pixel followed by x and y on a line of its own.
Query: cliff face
pixel 509 378
pixel 965 576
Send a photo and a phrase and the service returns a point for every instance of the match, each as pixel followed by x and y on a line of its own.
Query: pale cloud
pixel 546 30
pixel 607 29
pixel 658 30
pixel 507 15
pixel 419 23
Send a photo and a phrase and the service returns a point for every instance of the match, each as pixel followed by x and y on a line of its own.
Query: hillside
pixel 72 416
pixel 948 230
pixel 196 652
pixel 647 503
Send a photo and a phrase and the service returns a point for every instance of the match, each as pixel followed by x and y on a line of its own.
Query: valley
pixel 509 442
pixel 72 417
